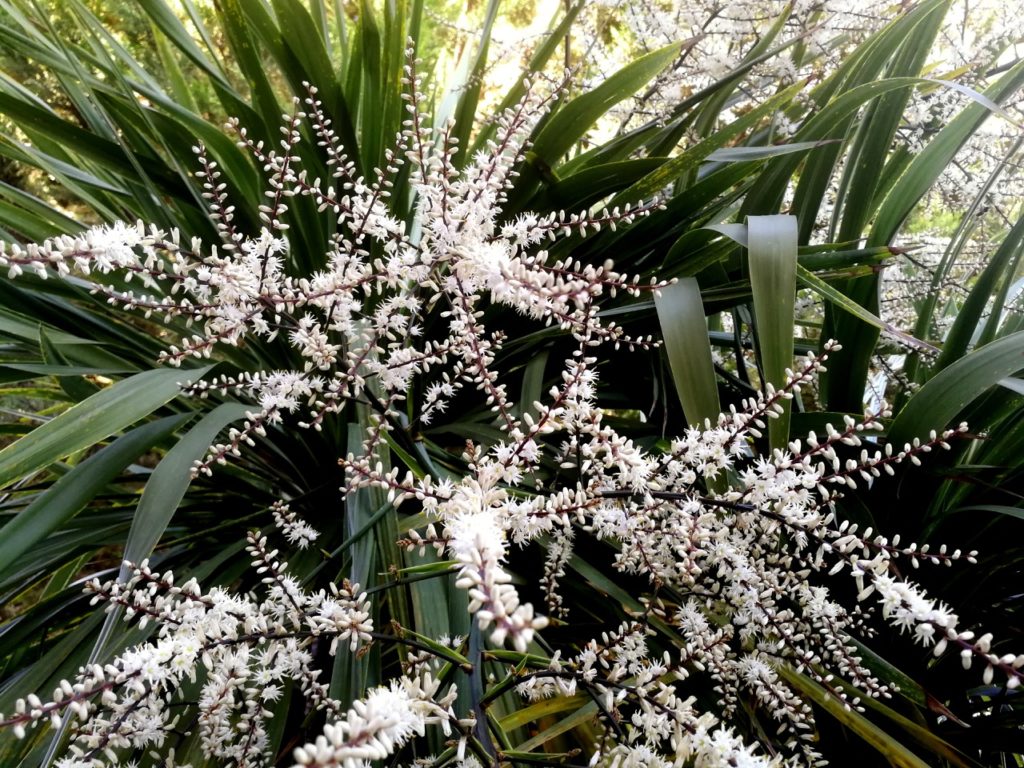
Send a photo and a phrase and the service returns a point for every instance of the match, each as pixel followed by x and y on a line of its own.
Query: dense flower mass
pixel 734 545
pixel 245 651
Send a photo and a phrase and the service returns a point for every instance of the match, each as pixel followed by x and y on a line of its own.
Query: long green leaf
pixel 845 392
pixel 999 509
pixel 163 17
pixel 108 411
pixel 558 29
pixel 748 154
pixel 572 121
pixel 947 393
pixel 887 745
pixel 691 159
pixel 845 303
pixel 69 495
pixel 927 166
pixel 565 723
pixel 167 485
pixel 84 143
pixel 465 92
pixel 160 498
pixel 877 128
pixel 685 330
pixel 772 259
pixel 1001 268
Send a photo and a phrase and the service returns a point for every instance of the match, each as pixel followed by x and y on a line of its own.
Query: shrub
pixel 443 317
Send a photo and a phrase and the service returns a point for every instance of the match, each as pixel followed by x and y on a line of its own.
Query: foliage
pixel 109 473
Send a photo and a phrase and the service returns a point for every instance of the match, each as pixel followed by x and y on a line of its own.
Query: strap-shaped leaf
pixel 100 416
pixel 69 495
pixel 1001 268
pixel 681 315
pixel 468 85
pixel 894 752
pixel 928 165
pixel 771 249
pixel 858 339
pixel 160 498
pixel 692 158
pixel 163 17
pixel 572 121
pixel 557 30
pixel 844 302
pixel 167 485
pixel 748 154
pixel 85 143
pixel 947 393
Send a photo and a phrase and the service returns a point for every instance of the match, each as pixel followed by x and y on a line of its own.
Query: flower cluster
pixel 460 256
pixel 747 555
pixel 379 724
pixel 243 651
pixel 298 532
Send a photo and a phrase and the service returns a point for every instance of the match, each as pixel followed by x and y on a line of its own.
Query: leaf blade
pixel 772 254
pixel 93 419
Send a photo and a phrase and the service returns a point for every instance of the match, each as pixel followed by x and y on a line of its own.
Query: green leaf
pixel 593 183
pixel 464 92
pixel 844 302
pixel 569 124
pixel 164 18
pixel 551 41
pixel 875 130
pixel 887 745
pixel 108 411
pixel 999 509
pixel 57 220
pixel 443 651
pixel 370 110
pixel 69 495
pixel 858 339
pixel 75 387
pixel 176 79
pixel 1001 268
pixel 831 119
pixel 298 31
pixel 364 510
pixel 21 327
pixel 932 161
pixel 34 118
pixel 772 258
pixel 819 257
pixel 64 575
pixel 919 733
pixel 532 389
pixel 43 369
pixel 748 154
pixel 691 159
pixel 238 19
pixel 167 485
pixel 543 709
pixel 670 228
pixel 565 723
pixel 685 330
pixel 947 393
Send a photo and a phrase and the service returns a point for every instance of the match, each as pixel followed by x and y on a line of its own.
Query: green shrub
pixel 391 346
